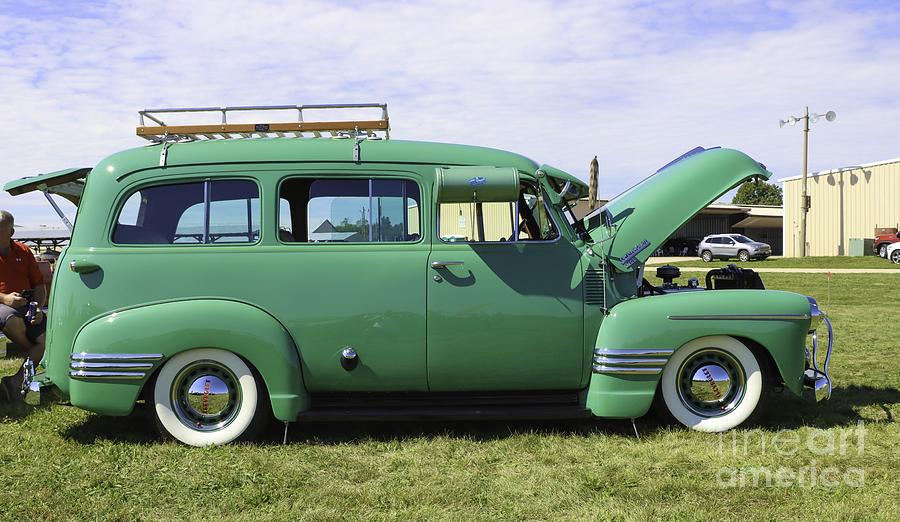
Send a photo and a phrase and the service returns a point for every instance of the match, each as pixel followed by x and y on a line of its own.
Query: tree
pixel 758 193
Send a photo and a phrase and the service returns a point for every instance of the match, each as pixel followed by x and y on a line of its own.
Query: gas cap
pixel 349 358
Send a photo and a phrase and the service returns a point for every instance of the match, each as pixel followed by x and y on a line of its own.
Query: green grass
pixel 58 462
pixel 800 262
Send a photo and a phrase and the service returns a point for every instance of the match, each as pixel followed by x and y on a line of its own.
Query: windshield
pixel 742 239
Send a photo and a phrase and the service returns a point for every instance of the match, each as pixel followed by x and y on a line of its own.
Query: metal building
pixel 848 202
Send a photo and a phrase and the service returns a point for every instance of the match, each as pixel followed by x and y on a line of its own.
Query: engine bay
pixel 731 277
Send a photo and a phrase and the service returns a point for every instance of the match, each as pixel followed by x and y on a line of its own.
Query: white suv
pixel 726 246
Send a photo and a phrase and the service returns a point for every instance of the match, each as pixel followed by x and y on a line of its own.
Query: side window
pixel 524 220
pixel 207 212
pixel 476 222
pixel 233 211
pixel 349 210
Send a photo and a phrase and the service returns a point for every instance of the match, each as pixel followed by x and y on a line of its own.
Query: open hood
pixel 640 219
pixel 68 183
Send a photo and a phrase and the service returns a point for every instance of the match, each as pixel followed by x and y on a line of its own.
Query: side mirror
pixel 477 184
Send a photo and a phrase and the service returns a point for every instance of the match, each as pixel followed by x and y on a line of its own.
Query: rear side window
pixel 203 212
pixel 349 211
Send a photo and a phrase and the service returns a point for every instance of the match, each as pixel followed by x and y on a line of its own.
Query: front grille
pixel 593 286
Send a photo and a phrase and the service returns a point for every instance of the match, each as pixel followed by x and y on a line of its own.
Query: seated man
pixel 19 276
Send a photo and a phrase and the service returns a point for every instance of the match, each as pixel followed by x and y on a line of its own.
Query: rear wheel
pixel 208 397
pixel 713 384
pixel 895 256
pixel 706 256
pixel 744 256
pixel 882 251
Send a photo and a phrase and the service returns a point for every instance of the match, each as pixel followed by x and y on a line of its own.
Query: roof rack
pixel 159 131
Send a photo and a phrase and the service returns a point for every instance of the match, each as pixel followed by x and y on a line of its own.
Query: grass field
pixel 800 262
pixel 58 462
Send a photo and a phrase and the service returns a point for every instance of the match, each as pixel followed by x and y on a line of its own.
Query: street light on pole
pixel 804 199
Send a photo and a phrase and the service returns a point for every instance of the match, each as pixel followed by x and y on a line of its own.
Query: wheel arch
pixel 671 321
pixel 173 327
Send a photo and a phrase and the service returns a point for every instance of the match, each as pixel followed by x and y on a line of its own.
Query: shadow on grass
pixel 135 428
pixel 138 428
pixel 842 409
pixel 787 413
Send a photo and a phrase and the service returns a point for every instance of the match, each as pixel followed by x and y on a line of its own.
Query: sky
pixel 634 83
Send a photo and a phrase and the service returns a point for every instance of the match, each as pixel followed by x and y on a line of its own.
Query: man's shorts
pixel 32 331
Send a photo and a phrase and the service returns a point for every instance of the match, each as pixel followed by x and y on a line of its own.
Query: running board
pixel 445 413
pixel 564 404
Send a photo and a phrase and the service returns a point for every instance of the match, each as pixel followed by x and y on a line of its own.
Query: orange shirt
pixel 19 270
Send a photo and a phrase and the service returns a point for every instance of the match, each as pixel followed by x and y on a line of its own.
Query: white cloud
pixel 634 83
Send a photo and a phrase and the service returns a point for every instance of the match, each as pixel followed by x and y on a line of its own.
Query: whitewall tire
pixel 208 397
pixel 712 384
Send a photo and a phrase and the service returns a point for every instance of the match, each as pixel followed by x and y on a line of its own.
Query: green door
pixel 504 302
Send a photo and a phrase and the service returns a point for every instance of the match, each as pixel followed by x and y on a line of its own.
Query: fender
pixel 173 327
pixel 777 321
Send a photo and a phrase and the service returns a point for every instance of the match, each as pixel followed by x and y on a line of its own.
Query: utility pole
pixel 804 198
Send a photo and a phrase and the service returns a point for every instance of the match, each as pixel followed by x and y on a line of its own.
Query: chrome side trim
pixel 621 370
pixel 741 317
pixel 82 374
pixel 634 352
pixel 630 361
pixel 114 366
pixel 84 356
pixel 78 365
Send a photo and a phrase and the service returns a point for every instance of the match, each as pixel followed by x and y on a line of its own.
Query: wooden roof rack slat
pixel 157 130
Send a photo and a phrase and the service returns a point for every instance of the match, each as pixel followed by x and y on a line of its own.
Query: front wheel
pixel 713 384
pixel 895 256
pixel 744 256
pixel 208 397
pixel 706 256
pixel 882 251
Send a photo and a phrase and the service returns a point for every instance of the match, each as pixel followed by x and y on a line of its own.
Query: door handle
pixel 445 264
pixel 83 267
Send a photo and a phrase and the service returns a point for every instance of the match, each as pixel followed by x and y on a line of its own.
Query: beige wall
pixel 845 204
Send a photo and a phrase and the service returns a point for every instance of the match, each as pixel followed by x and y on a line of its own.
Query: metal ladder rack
pixel 158 131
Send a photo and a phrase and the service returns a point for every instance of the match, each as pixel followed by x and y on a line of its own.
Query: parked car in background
pixel 893 252
pixel 884 240
pixel 727 246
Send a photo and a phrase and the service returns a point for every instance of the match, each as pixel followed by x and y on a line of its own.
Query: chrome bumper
pixel 817 377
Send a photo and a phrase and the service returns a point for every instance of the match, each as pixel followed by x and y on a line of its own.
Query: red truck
pixel 883 238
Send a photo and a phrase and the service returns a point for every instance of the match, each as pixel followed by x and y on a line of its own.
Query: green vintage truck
pixel 229 272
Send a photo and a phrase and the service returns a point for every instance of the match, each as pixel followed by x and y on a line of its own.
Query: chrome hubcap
pixel 711 383
pixel 206 396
